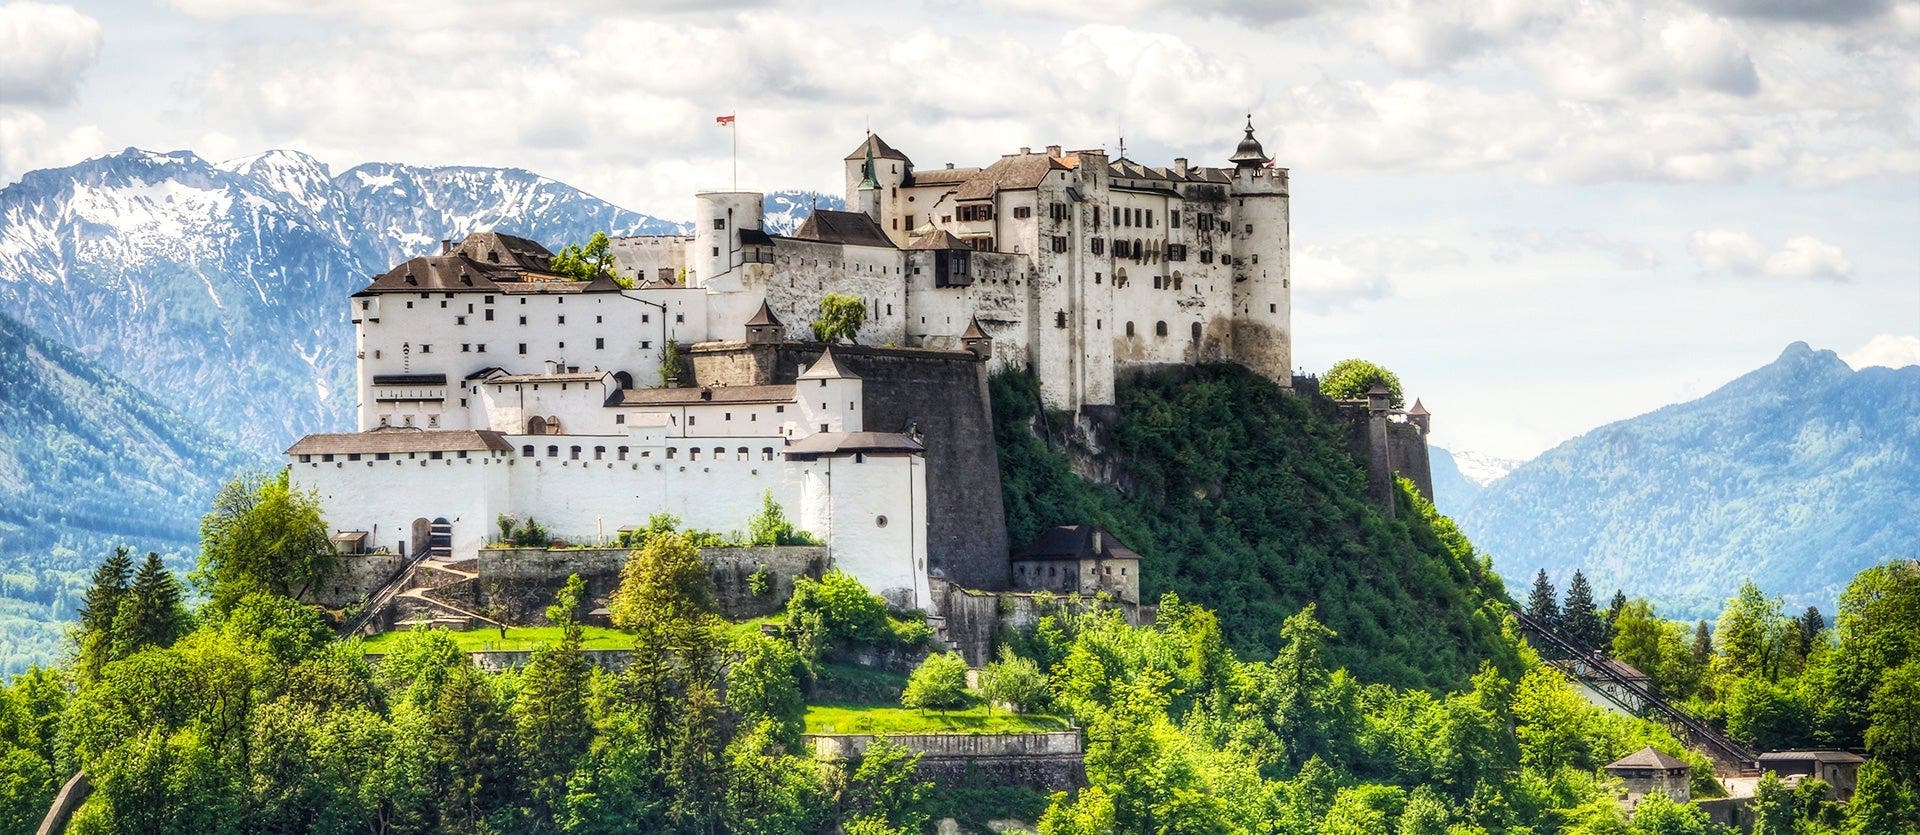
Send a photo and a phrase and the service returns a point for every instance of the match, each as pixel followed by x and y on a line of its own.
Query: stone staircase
pixel 431 592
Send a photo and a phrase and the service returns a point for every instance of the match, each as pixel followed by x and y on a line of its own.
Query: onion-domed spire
pixel 1249 154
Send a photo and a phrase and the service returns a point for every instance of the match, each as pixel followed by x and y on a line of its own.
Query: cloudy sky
pixel 1544 214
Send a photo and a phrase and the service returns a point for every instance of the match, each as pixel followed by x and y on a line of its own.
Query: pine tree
pixel 103 596
pixel 1579 620
pixel 161 618
pixel 1810 625
pixel 1614 608
pixel 1541 605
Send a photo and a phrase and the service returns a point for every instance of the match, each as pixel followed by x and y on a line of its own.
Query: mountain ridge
pixel 1788 475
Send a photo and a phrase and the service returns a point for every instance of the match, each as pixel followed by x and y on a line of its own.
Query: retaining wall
pixel 1047 761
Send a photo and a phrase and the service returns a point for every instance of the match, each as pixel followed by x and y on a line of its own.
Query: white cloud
pixel 44 49
pixel 1806 256
pixel 1888 350
pixel 1331 276
pixel 26 144
pixel 1510 244
pixel 1738 253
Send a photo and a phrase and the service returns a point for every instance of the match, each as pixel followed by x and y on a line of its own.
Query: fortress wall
pixel 1051 761
pixel 525 580
pixel 945 392
pixel 1407 455
pixel 356 577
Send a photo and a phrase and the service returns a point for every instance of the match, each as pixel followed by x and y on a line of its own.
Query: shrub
pixel 772 527
pixel 1351 378
pixel 940 682
pixel 1014 680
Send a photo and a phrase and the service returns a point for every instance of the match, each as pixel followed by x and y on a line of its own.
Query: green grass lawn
pixel 871 719
pixel 518 638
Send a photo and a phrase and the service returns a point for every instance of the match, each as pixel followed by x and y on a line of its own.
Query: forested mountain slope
pixel 87 462
pixel 1797 475
pixel 1246 500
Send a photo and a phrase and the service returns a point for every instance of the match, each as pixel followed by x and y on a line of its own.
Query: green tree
pixel 1295 696
pixel 1893 730
pixel 883 791
pixel 1542 604
pixel 151 613
pixel 940 682
pixel 673 364
pixel 1751 634
pixel 1881 806
pixel 763 686
pixel 1810 624
pixel 769 791
pixel 1579 620
pixel 840 318
pixel 1090 812
pixel 772 527
pixel 1773 811
pixel 104 594
pixel 835 609
pixel 663 583
pixel 1350 379
pixel 263 535
pixel 585 262
pixel 551 726
pixel 469 751
pixel 1014 680
pixel 1614 606
pixel 1658 815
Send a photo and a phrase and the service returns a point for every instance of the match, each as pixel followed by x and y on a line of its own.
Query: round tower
pixel 719 218
pixel 1262 261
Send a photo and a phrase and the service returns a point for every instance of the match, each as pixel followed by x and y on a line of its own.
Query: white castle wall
pixel 384 498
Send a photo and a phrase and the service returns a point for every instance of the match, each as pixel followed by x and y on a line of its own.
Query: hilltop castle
pixel 490 385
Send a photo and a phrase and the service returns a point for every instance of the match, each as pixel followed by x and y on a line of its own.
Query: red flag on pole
pixel 723 120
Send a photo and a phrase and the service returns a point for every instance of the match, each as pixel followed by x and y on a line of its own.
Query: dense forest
pixel 1246 500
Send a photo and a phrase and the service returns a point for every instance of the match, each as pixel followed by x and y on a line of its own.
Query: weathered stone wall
pixel 944 393
pixel 1407 455
pixel 1384 446
pixel 356 577
pixel 973 619
pixel 524 580
pixel 1051 761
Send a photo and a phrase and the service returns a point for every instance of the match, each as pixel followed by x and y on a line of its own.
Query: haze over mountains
pixel 1796 475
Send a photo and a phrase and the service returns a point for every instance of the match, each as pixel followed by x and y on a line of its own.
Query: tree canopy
pixel 840 318
pixel 1351 379
pixel 263 535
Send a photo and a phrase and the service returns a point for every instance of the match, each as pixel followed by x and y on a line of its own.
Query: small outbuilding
pixel 1838 769
pixel 1081 559
pixel 1647 771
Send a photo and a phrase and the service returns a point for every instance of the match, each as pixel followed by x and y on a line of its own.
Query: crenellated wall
pixel 525 580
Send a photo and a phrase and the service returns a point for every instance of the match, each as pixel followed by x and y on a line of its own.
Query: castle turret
pixel 975 339
pixel 764 328
pixel 875 171
pixel 719 219
pixel 829 396
pixel 1262 268
pixel 1420 417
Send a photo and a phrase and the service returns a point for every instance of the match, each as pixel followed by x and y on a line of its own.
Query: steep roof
pixel 847 443
pixel 941 176
pixel 937 239
pixel 507 250
pixel 485 262
pixel 856 228
pixel 391 439
pixel 1418 408
pixel 1076 542
pixel 1011 172
pixel 763 317
pixel 880 148
pixel 696 396
pixel 1648 758
pixel 974 331
pixel 1816 756
pixel 825 368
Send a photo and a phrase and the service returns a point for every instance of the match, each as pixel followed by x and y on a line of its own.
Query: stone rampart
pixel 1046 761
pixel 974 619
pixel 356 576
pixel 522 582
pixel 944 395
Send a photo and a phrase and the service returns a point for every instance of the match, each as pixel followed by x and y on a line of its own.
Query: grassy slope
pixel 1244 500
pixel 888 719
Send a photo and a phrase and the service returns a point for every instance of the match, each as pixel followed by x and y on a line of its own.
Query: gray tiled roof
pixel 847 443
pixel 1076 542
pixel 392 439
pixel 697 396
pixel 842 228
pixel 1648 757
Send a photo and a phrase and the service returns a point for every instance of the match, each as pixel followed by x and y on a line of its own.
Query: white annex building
pixel 489 385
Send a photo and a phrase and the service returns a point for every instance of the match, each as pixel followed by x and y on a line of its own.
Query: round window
pixel 879 521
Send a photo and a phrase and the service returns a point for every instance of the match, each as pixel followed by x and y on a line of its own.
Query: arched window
pixel 574 453
pixel 1159 329
pixel 553 451
pixel 1139 249
pixel 1196 331
pixel 622 453
pixel 744 454
pixel 553 425
pixel 624 379
pixel 536 425
pixel 599 453
pixel 526 451
pixel 766 453
pixel 719 453
pixel 672 452
pixel 1129 328
pixel 1179 280
pixel 693 453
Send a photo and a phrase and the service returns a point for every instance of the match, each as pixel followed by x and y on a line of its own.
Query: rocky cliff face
pixel 1797 475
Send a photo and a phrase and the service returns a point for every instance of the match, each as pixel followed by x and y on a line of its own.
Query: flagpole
pixel 735 125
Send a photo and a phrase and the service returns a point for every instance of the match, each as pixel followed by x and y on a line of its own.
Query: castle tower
pixel 975 339
pixel 829 396
pixel 879 164
pixel 869 188
pixel 1262 269
pixel 1420 417
pixel 764 328
pixel 719 218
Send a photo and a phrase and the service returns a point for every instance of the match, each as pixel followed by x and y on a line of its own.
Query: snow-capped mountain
pixel 220 289
pixel 786 210
pixel 1483 469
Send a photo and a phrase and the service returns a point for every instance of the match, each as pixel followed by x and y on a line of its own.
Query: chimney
pixel 446 246
pixel 949 166
pixel 1053 151
pixel 1180 166
pixel 1025 150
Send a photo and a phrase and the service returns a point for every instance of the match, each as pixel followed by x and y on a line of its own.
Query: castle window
pixel 1096 278
pixel 1256 258
pixel 1226 259
pixel 1173 218
pixel 466 348
pixel 1159 329
pixel 488 299
pixel 1176 252
pixel 719 223
pixel 1249 228
pixel 523 320
pixel 1178 280
pixel 1273 308
pixel 382 456
pixel 1129 328
pixel 1196 331
pixel 1139 249
pixel 351 456
pixel 459 320
pixel 425 348
pixel 599 343
pixel 693 453
pixel 553 452
pixel 779 408
pixel 1149 218
pixel 1206 256
pixel 719 453
pixel 1059 243
pixel 1022 212
pixel 620 418
pixel 599 453
pixel 1059 318
pixel 1156 282
pixel 671 452
pixel 1098 246
pixel 744 454
pixel 562 319
pixel 1058 211
pixel 435 455
pixel 622 452
pixel 766 453
pixel 526 451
